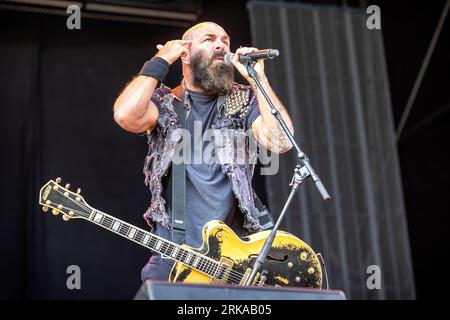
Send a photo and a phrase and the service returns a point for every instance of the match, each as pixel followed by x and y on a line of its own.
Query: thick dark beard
pixel 217 79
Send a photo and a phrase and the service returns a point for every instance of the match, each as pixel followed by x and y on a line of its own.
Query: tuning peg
pixel 67 186
pixel 58 180
pixel 45 208
pixel 66 218
pixel 78 190
pixel 55 212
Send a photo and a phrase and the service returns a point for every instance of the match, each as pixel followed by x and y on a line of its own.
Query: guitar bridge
pixel 258 281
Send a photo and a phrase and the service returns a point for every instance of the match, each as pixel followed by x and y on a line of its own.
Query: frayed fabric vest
pixel 237 160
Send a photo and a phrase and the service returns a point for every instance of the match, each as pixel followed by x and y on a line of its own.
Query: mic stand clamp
pixel 302 171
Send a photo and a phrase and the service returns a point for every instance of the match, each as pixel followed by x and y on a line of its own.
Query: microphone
pixel 260 54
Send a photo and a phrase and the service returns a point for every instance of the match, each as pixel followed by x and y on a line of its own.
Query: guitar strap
pixel 178 181
pixel 264 217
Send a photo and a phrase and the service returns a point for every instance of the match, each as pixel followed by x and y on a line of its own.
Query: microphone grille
pixel 227 57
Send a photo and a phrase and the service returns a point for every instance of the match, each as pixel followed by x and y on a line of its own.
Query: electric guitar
pixel 223 258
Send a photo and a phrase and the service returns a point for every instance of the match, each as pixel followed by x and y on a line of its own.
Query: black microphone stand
pixel 302 171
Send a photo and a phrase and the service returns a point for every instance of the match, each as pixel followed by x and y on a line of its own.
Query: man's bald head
pixel 190 33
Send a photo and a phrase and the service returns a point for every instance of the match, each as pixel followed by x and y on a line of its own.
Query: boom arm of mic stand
pixel 300 173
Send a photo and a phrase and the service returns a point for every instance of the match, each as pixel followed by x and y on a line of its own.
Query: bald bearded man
pixel 212 101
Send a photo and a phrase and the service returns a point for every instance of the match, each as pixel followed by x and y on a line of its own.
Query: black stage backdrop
pixel 57 91
pixel 332 77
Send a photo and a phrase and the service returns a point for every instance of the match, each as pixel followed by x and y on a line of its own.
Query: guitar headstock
pixel 63 201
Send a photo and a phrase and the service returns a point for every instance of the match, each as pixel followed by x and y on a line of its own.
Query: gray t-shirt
pixel 208 190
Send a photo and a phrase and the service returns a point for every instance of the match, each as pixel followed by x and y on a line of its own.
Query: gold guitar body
pixel 290 261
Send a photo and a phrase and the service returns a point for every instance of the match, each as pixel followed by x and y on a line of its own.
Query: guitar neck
pixel 155 243
pixel 72 205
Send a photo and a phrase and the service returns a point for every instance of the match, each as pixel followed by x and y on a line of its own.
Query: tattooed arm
pixel 266 128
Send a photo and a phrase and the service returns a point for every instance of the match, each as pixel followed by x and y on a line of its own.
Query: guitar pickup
pixel 223 271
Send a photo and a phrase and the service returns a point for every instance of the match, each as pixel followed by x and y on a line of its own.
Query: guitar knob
pixel 78 190
pixel 45 208
pixel 58 180
pixel 311 270
pixel 66 218
pixel 67 186
pixel 55 212
pixel 303 255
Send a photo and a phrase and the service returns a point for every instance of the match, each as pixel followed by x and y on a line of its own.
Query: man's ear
pixel 186 57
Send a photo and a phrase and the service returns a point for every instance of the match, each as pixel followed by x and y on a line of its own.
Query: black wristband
pixel 156 68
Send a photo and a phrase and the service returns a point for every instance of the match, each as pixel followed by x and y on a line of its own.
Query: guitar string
pixel 212 268
pixel 235 276
pixel 207 263
pixel 204 263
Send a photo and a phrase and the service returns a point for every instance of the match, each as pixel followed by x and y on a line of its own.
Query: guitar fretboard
pixel 155 243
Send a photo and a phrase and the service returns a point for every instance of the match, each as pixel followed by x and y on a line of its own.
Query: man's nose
pixel 220 45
